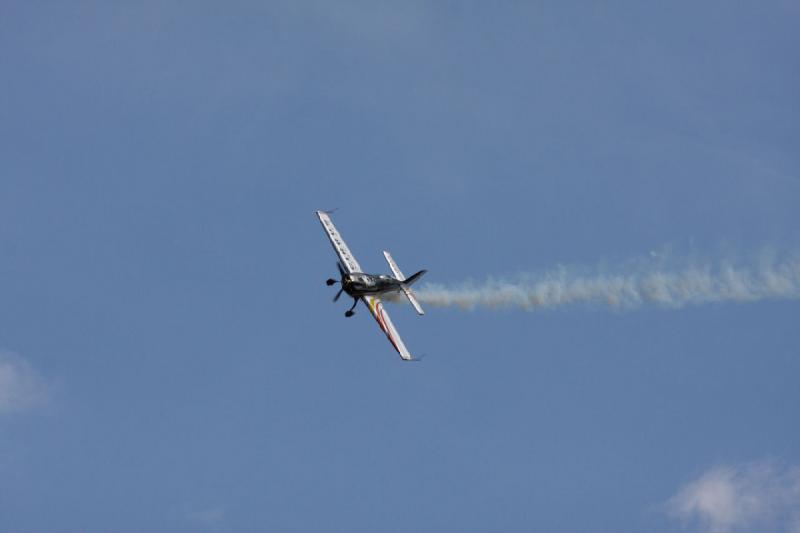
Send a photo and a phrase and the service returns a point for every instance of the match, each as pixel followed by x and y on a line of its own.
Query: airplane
pixel 369 288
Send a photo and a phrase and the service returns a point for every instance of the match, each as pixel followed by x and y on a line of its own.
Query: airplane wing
pixel 345 257
pixel 375 307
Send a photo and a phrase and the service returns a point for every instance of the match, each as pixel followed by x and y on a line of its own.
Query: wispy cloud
pixel 762 496
pixel 211 515
pixel 21 388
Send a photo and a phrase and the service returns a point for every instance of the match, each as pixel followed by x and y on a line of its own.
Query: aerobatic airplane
pixel 370 287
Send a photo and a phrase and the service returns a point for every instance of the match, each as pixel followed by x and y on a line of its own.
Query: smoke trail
pixel 692 282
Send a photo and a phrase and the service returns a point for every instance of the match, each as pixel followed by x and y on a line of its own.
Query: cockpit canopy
pixel 367 279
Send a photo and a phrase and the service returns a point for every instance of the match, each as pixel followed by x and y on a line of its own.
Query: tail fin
pixel 414 277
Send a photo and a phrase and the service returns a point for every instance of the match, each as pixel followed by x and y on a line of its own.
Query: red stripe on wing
pixel 378 313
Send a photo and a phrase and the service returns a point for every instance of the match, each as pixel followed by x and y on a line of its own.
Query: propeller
pixel 332 281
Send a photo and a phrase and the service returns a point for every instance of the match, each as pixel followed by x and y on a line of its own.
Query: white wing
pixel 375 307
pixel 345 257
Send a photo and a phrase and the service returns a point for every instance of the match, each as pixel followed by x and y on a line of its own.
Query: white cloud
pixel 21 388
pixel 762 496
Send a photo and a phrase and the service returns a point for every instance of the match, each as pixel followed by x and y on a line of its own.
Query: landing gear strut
pixel 350 311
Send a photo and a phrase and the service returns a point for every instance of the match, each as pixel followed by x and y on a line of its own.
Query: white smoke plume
pixel 656 281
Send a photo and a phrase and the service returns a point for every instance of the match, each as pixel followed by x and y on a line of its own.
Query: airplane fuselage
pixel 358 284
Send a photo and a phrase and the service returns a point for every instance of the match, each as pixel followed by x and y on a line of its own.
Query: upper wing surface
pixel 345 257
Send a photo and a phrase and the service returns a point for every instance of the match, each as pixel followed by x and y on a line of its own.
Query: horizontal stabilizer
pixel 407 282
pixel 412 299
pixel 395 269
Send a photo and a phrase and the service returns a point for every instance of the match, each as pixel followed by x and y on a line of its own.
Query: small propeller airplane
pixel 369 288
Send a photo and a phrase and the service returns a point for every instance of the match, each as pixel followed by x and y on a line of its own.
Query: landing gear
pixel 331 281
pixel 350 311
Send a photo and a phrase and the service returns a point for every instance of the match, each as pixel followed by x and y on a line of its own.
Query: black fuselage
pixel 358 284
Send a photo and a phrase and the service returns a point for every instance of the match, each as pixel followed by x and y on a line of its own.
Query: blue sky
pixel 171 360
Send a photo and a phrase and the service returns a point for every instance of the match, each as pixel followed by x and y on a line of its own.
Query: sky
pixel 170 359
